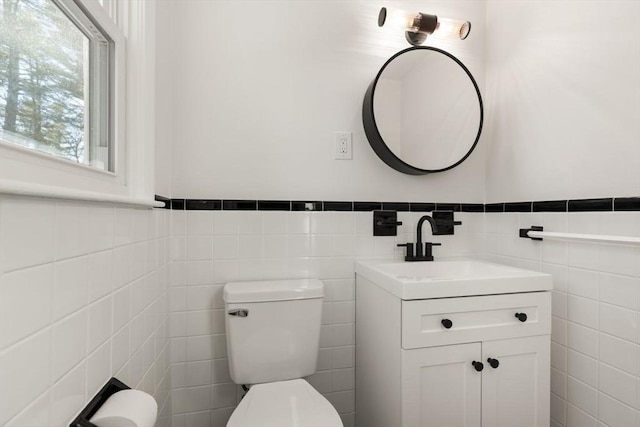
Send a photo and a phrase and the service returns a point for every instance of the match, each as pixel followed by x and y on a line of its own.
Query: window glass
pixel 55 81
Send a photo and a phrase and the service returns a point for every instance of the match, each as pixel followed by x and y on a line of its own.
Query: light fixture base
pixel 415 39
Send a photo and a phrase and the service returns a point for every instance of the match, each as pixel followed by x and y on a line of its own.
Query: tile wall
pixel 210 248
pixel 83 297
pixel 595 374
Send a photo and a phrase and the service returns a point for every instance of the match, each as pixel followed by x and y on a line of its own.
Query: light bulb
pixel 418 25
pixel 452 28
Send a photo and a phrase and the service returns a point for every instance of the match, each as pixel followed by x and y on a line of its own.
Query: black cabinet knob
pixel 494 363
pixel 521 317
pixel 447 323
pixel 478 365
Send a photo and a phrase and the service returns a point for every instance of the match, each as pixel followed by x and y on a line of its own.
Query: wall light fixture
pixel 417 26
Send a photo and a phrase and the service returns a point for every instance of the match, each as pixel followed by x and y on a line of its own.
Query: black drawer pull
pixel 447 323
pixel 521 317
pixel 494 363
pixel 478 365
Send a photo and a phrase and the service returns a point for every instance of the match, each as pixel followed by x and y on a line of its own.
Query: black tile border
pixel 367 206
pixel 472 207
pixel 590 205
pixel 550 206
pixel 306 205
pixel 494 207
pixel 607 204
pixel 422 207
pixel 240 205
pixel 337 206
pixel 274 205
pixel 202 205
pixel 518 206
pixel 626 204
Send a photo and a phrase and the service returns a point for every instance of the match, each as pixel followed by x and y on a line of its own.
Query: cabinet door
pixel 440 386
pixel 516 392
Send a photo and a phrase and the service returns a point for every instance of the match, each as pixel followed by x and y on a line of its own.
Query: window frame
pixel 25 171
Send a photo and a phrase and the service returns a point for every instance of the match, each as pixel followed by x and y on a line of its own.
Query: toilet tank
pixel 273 329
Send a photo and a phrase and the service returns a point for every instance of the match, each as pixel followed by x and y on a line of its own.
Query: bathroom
pixel 232 107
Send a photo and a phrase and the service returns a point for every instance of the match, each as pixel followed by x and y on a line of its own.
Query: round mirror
pixel 423 112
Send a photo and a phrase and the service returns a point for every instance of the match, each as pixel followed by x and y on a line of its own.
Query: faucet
pixel 422 254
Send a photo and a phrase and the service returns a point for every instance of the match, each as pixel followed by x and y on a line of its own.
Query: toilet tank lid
pixel 273 290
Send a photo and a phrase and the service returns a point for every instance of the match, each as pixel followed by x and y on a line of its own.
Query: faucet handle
pixel 409 247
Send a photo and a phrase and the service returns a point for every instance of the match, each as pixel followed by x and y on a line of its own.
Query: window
pixel 56 81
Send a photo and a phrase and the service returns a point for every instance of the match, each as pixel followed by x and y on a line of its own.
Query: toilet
pixel 273 336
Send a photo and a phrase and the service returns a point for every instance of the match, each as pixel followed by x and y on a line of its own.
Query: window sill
pixel 37 190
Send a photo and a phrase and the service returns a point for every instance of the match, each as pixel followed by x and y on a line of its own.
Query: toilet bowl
pixel 284 404
pixel 273 337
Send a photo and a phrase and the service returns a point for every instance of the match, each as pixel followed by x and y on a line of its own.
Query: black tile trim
pixel 626 204
pixel 240 205
pixel 472 207
pixel 494 207
pixel 396 206
pixel 203 205
pixel 306 206
pixel 448 207
pixel 579 205
pixel 177 204
pixel 518 206
pixel 422 207
pixel 590 205
pixel 367 206
pixel 165 200
pixel 550 206
pixel 337 206
pixel 274 205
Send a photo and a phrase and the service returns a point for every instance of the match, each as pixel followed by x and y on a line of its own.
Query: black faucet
pixel 421 254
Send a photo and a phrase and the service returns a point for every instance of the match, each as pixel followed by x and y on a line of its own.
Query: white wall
pixel 563 91
pixel 259 88
pixel 83 297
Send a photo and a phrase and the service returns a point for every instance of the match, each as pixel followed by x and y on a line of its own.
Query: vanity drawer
pixel 473 319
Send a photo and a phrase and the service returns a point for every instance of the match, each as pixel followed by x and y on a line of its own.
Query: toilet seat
pixel 292 403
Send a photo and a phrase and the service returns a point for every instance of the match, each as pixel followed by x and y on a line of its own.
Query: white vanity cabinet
pixel 464 361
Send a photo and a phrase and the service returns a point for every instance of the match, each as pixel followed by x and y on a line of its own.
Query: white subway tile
pixel 578 418
pixel 583 368
pixel 583 311
pixel 71 229
pixel 582 339
pixel 614 413
pixel 619 322
pixel 68 344
pixel 199 223
pixel 582 396
pixel 583 283
pixel 618 384
pixel 27 230
pixel 99 323
pixel 619 353
pixel 25 303
pixel 67 395
pixel 27 364
pixel 620 290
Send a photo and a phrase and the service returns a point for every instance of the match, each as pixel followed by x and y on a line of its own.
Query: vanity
pixel 452 343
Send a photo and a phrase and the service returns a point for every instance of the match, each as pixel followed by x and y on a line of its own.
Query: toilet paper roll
pixel 127 408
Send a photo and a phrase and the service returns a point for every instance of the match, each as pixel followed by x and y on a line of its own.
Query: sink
pixel 451 278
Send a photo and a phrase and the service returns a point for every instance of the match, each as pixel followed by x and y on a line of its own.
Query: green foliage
pixel 42 76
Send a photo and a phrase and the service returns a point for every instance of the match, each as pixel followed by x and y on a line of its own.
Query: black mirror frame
pixel 373 134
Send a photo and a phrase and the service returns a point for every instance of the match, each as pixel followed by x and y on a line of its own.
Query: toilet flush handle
pixel 240 312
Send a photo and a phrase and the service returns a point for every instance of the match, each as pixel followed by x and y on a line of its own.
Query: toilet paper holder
pixel 112 386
